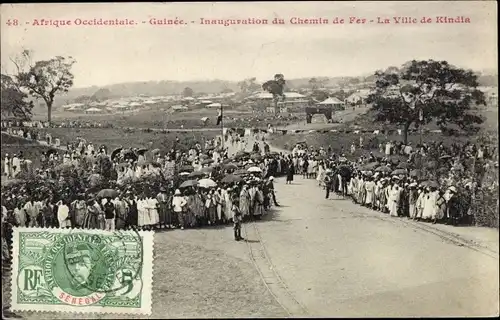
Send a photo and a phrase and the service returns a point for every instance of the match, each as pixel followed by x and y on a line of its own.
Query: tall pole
pixel 421 119
pixel 222 127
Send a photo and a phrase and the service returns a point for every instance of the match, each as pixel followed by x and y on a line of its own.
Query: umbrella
pixel 254 169
pixel 11 182
pixel 115 153
pixel 431 164
pixel 155 151
pixel 430 184
pixel 226 161
pixel 196 174
pixel 107 193
pixel 403 165
pixel 207 169
pixel 256 156
pixel 130 155
pixel 416 173
pixel 207 183
pixel 187 168
pixel 443 170
pixel 383 169
pixel 203 156
pixel 142 151
pixel 240 172
pixel 398 172
pixel 241 154
pixel 230 166
pixel 63 166
pixel 189 183
pixel 51 151
pixel 208 161
pixel 371 165
pixel 231 178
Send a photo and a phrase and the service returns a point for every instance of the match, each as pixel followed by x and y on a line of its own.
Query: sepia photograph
pixel 249 160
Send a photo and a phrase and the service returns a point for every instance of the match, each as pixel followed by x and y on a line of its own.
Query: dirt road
pixel 340 259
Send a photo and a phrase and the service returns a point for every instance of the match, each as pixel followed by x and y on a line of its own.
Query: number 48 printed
pixel 12 22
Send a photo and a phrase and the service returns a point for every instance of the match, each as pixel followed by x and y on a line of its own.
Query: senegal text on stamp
pixel 73 270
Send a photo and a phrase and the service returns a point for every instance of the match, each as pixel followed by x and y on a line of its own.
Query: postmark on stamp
pixel 72 270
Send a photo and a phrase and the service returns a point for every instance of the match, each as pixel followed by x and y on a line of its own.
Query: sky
pixel 143 52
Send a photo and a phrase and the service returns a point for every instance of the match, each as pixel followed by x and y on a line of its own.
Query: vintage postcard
pixel 285 159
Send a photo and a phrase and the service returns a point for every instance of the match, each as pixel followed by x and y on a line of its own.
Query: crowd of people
pixel 90 187
pixel 85 186
pixel 429 182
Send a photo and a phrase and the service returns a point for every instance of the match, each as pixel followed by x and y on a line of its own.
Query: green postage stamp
pixel 74 270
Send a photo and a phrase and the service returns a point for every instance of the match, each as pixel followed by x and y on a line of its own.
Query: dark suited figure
pixel 237 220
pixel 270 186
pixel 328 184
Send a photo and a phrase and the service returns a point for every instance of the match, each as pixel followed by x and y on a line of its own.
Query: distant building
pixel 358 97
pixel 94 111
pixel 333 103
pixel 491 95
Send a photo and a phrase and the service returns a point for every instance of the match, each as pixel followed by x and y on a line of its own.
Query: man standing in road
pixel 328 182
pixel 270 189
pixel 237 219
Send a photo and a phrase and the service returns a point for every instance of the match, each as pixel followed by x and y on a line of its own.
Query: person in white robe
pixel 141 212
pixel 420 203
pixel 429 205
pixel 16 166
pixel 394 197
pixel 7 166
pixel 63 215
pixel 154 215
pixel 227 204
pixel 370 189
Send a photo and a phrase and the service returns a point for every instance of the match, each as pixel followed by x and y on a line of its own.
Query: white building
pixel 333 103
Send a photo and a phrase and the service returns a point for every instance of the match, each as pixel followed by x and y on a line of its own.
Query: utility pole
pixel 222 126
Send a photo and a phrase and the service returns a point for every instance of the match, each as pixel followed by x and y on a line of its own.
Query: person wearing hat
pixel 7 166
pixel 412 200
pixel 269 186
pixel 178 203
pixel 453 207
pixel 163 212
pixel 237 219
pixel 109 214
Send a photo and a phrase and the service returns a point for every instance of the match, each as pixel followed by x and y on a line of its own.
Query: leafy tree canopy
pixel 14 101
pixel 422 91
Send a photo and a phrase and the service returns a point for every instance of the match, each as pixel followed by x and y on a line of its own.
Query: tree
pixel 101 95
pixel 187 92
pixel 276 87
pixel 313 83
pixel 227 90
pixel 320 95
pixel 422 91
pixel 44 79
pixel 249 85
pixel 14 100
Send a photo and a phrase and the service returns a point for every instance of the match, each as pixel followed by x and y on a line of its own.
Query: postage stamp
pixel 90 271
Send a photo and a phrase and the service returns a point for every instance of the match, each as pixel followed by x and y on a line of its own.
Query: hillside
pixel 168 87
